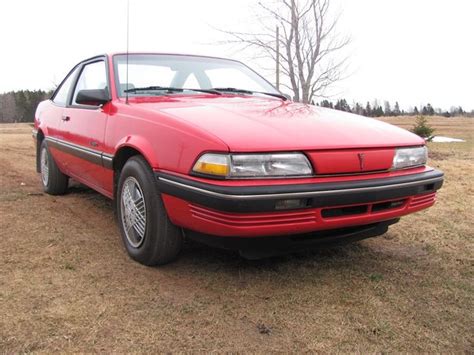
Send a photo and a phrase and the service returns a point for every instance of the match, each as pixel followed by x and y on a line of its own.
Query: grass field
pixel 66 283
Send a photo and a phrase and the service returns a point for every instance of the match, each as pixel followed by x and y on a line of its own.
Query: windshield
pixel 184 72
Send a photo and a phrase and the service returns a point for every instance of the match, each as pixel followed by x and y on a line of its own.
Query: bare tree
pixel 310 46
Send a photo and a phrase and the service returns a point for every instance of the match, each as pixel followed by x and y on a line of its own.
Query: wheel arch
pixel 122 155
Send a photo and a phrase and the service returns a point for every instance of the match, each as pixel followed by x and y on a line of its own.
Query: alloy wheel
pixel 133 211
pixel 44 167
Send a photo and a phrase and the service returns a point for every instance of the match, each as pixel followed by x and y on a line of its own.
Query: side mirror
pixel 95 97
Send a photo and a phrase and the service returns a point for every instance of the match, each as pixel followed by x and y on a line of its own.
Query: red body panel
pixel 251 124
pixel 87 128
pixel 214 222
pixel 351 161
pixel 171 132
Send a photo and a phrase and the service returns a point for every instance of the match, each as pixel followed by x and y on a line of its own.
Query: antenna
pixel 128 30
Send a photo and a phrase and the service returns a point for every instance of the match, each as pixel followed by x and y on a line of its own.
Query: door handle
pixel 65 118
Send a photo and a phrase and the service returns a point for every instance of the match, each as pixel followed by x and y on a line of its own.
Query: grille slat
pixel 253 220
pixel 423 200
pixel 256 221
pixel 310 216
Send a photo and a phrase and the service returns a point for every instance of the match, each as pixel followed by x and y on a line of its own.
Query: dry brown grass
pixel 67 285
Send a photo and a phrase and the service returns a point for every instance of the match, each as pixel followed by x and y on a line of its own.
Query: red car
pixel 207 147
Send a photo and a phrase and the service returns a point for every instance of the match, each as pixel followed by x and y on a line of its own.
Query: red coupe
pixel 207 148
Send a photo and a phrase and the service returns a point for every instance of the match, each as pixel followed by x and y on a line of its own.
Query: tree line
pixel 374 109
pixel 20 106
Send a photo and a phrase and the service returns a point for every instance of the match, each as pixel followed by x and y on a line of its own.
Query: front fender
pixel 167 143
pixel 141 145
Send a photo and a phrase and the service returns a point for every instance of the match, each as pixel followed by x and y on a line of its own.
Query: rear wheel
pixel 147 233
pixel 54 181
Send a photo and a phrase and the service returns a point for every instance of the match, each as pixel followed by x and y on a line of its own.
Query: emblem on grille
pixel 361 160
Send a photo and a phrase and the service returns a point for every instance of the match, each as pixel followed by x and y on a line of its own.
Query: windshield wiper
pixel 249 92
pixel 171 89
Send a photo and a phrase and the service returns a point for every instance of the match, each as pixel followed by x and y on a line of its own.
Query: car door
pixel 49 118
pixel 83 130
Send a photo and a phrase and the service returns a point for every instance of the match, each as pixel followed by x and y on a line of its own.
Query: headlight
pixel 253 165
pixel 409 157
pixel 213 164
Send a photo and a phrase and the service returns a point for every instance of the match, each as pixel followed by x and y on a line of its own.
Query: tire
pixel 147 233
pixel 53 180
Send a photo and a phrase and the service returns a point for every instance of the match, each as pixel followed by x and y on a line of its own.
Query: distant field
pixel 67 285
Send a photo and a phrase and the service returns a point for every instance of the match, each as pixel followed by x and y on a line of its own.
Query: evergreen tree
pixel 422 128
pixel 358 109
pixel 396 110
pixel 428 110
pixel 368 110
pixel 20 106
pixel 342 105
pixel 326 103
pixel 378 111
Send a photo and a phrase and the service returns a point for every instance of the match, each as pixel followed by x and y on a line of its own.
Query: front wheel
pixel 147 233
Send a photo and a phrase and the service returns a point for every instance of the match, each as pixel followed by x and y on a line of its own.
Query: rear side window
pixel 61 95
pixel 93 76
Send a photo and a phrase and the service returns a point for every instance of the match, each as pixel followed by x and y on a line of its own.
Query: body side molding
pixel 91 155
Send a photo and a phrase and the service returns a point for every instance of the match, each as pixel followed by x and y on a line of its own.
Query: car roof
pixel 110 55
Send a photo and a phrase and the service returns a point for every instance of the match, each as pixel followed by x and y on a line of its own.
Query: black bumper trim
pixel 263 198
pixel 261 247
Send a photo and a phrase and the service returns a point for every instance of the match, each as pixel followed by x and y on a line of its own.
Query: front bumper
pixel 257 248
pixel 250 211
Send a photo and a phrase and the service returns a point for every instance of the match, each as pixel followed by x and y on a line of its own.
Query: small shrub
pixel 422 128
pixel 376 277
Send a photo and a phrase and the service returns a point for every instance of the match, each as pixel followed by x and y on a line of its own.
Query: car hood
pixel 260 124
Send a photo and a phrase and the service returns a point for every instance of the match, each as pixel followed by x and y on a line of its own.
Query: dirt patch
pixel 67 284
pixel 440 155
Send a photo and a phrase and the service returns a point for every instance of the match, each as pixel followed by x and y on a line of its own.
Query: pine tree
pixel 326 103
pixel 368 110
pixel 422 128
pixel 358 109
pixel 428 110
pixel 396 110
pixel 342 105
pixel 378 111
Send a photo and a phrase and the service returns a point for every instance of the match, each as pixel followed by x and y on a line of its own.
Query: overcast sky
pixel 413 51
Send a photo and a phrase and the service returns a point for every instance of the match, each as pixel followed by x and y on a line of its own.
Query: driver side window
pixel 61 95
pixel 93 77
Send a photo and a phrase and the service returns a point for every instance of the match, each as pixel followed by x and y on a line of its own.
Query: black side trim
pixel 92 156
pixel 108 161
pixel 264 198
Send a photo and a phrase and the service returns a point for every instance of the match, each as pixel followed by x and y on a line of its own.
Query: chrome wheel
pixel 44 167
pixel 133 211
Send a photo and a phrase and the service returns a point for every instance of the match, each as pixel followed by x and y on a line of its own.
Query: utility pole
pixel 278 58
